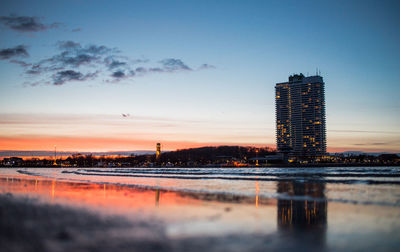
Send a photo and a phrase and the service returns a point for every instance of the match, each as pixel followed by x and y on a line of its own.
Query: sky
pixel 123 75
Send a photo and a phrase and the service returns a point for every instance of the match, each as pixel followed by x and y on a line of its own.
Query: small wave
pixel 241 172
pixel 288 177
pixel 29 173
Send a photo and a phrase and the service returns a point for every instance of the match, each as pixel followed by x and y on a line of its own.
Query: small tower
pixel 55 155
pixel 158 150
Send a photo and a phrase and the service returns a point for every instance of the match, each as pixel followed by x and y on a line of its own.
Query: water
pixel 346 208
pixel 359 185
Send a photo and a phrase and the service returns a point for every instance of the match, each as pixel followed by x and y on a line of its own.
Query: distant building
pixel 158 150
pixel 300 116
pixel 13 161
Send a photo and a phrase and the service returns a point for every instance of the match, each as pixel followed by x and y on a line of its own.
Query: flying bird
pixel 126 115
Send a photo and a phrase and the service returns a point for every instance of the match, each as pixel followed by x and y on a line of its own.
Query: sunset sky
pixel 124 75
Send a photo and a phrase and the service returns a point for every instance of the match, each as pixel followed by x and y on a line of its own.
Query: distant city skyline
pixel 124 75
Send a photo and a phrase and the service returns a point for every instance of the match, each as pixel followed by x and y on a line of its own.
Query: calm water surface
pixel 326 208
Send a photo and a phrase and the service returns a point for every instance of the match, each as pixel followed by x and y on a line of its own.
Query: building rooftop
pixel 300 78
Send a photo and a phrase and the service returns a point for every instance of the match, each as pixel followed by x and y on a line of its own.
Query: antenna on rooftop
pixel 318 72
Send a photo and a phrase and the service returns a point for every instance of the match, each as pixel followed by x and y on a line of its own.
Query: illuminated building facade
pixel 300 116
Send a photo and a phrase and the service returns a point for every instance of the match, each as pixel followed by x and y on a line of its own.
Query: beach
pixel 198 209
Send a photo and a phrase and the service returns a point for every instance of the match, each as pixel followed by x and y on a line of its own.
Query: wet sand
pixel 42 214
pixel 28 225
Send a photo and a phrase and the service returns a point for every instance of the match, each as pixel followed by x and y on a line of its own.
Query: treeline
pixel 215 154
pixel 230 156
pixel 186 157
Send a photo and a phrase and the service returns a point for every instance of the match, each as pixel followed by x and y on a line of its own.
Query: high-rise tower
pixel 300 116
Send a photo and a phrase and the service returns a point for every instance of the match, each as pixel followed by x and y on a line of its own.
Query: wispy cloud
pixel 61 77
pixel 371 144
pixel 26 23
pixel 21 63
pixel 155 70
pixel 28 119
pixel 68 45
pixel 66 65
pixel 77 62
pixel 18 51
pixel 120 62
pixel 206 66
pixel 172 65
pixel 120 75
pixel 141 70
pixel 74 55
pixel 365 131
pixel 111 63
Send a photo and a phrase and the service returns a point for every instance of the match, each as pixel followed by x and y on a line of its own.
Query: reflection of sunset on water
pixel 257 192
pixel 198 215
pixel 301 210
pixel 95 194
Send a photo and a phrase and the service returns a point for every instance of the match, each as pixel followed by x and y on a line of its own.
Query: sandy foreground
pixel 29 225
pixel 42 214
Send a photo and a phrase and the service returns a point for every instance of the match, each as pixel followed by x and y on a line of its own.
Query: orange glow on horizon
pixel 94 144
pixel 97 144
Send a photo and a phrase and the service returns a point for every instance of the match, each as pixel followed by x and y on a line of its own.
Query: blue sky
pixel 248 46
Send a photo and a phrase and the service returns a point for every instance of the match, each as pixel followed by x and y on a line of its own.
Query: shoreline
pixel 55 215
pixel 325 165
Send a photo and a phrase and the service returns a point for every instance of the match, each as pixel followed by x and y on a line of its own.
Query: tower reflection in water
pixel 303 219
